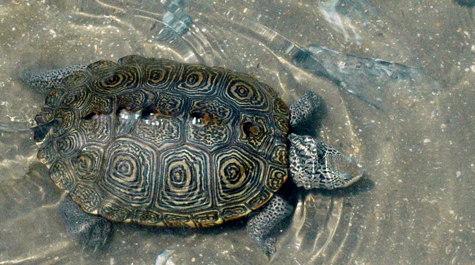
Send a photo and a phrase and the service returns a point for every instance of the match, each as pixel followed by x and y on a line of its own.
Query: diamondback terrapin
pixel 162 143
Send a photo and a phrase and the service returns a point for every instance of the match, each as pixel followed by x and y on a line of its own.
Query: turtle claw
pixel 268 246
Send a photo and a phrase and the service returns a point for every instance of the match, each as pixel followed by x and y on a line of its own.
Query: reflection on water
pixel 358 75
pixel 176 18
pixel 417 151
pixel 338 13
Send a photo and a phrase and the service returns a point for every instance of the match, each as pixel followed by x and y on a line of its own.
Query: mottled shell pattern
pixel 158 142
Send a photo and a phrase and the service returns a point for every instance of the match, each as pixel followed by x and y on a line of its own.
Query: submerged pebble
pixel 164 258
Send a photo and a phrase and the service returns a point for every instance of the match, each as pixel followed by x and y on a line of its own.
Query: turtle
pixel 163 143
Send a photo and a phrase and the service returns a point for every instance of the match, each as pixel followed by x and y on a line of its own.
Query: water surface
pixel 414 205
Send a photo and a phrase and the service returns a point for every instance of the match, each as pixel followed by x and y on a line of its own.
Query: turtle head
pixel 314 164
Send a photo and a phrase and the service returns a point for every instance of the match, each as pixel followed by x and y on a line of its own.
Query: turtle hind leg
pixel 261 225
pixel 47 80
pixel 89 230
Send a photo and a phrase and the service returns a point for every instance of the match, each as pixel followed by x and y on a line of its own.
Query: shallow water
pixel 412 207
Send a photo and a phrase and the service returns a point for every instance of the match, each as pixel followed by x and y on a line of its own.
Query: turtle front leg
pixel 89 230
pixel 261 225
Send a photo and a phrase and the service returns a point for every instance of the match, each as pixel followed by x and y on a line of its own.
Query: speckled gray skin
pixel 89 230
pixel 313 165
pixel 260 225
pixel 304 111
pixel 49 79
